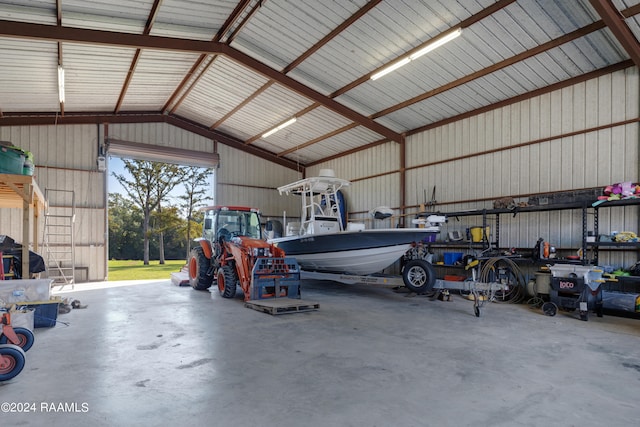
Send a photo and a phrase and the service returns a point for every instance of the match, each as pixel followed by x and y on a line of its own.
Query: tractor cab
pixel 227 222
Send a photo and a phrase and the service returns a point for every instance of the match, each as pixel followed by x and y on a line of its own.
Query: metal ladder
pixel 59 239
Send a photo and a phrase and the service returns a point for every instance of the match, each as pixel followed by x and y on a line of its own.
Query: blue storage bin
pixel 451 258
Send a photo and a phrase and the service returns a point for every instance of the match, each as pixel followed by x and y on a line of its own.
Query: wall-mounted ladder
pixel 58 241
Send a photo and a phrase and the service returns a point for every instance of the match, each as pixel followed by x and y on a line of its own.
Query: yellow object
pixel 625 236
pixel 476 233
pixel 473 298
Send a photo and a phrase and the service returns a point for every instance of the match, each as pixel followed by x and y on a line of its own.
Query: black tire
pixel 25 338
pixel 199 267
pixel 419 276
pixel 227 281
pixel 12 360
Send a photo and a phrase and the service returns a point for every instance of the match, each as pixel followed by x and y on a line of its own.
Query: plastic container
pixel 11 161
pixel 476 234
pixel 23 318
pixel 451 258
pixel 45 313
pixel 28 168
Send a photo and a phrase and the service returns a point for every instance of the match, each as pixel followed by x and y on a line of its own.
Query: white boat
pixel 324 241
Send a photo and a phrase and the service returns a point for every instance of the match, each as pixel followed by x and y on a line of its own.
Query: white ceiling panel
pixel 94 76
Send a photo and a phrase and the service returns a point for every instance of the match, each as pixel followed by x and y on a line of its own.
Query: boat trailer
pixel 482 292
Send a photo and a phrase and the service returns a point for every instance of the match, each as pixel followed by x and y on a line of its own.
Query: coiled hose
pixel 506 272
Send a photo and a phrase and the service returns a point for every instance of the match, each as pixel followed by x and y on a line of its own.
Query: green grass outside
pixel 136 270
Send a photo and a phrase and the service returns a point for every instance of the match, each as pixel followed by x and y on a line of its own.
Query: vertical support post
pixel 26 228
pixel 403 179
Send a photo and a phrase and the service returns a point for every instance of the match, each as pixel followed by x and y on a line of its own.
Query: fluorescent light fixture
pixel 428 48
pixel 436 44
pixel 277 128
pixel 390 68
pixel 61 83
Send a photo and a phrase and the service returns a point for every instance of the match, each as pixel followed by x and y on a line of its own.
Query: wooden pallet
pixel 276 306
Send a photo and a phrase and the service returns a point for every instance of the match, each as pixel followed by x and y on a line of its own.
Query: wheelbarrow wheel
pixel 549 308
pixel 25 338
pixel 12 361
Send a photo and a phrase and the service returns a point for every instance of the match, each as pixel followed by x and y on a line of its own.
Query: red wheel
pixel 11 361
pixel 25 338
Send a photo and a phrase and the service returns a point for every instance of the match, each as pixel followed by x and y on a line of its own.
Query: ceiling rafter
pixel 323 137
pixel 83 118
pixel 60 63
pixel 501 4
pixel 136 57
pixel 193 76
pixel 553 87
pixel 615 21
pixel 300 113
pixel 581 32
pixel 299 60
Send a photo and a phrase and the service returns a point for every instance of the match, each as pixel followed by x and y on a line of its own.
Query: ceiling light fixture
pixel 428 48
pixel 390 68
pixel 277 128
pixel 61 83
pixel 436 44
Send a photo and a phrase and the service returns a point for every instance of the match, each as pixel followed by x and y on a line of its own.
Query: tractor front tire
pixel 198 268
pixel 227 281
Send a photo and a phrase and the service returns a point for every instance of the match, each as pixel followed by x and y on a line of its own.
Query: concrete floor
pixel 159 355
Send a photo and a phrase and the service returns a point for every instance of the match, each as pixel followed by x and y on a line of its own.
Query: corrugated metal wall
pixel 162 134
pixel 247 180
pixel 65 158
pixel 573 138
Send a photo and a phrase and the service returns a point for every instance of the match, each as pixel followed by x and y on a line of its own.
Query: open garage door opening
pixel 155 194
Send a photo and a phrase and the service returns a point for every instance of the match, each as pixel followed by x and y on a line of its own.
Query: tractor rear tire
pixel 199 266
pixel 227 281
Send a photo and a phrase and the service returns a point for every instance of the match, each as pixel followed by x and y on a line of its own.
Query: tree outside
pixel 145 220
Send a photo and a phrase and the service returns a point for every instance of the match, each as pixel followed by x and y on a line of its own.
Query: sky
pixel 115 164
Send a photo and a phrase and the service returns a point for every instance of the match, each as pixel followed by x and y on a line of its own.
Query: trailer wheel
pixel 227 281
pixel 12 360
pixel 25 338
pixel 419 276
pixel 198 268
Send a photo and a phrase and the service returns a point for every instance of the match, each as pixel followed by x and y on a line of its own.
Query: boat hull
pixel 351 252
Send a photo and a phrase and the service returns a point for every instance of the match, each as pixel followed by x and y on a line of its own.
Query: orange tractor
pixel 232 253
